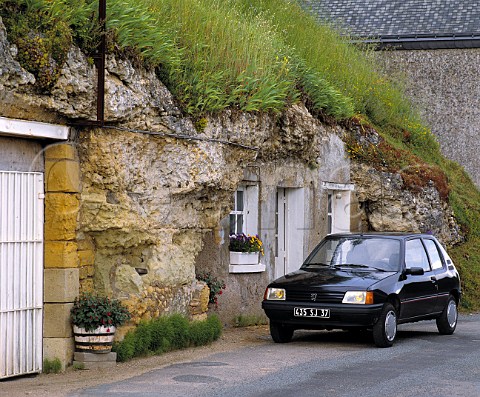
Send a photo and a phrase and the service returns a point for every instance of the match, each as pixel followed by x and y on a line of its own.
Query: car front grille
pixel 312 296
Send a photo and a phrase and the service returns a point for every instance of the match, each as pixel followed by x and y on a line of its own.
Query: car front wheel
pixel 447 322
pixel 280 333
pixel 385 329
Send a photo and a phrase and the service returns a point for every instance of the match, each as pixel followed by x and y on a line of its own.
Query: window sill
pixel 247 268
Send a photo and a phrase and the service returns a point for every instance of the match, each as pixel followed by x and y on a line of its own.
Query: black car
pixel 366 281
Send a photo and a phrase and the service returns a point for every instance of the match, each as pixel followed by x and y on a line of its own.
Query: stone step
pixel 95 357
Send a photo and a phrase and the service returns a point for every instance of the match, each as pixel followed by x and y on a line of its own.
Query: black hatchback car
pixel 366 281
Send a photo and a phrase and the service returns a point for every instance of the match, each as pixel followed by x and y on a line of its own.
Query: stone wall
pixel 61 274
pixel 445 86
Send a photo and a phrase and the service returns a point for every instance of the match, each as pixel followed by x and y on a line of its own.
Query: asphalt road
pixel 422 363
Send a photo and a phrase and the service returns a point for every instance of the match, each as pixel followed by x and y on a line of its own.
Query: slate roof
pixel 388 18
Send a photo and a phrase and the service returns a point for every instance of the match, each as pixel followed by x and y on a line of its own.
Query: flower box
pixel 244 258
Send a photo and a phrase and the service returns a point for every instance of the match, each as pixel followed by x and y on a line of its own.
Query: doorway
pixel 289 230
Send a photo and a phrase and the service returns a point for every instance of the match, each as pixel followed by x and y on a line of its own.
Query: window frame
pixel 424 251
pixel 236 213
pixel 439 253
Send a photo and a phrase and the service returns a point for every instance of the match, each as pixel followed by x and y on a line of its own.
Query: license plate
pixel 308 312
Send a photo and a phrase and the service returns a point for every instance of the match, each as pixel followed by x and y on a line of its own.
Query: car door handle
pixel 433 279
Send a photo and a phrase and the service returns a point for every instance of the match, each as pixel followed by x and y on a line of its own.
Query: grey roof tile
pixel 367 18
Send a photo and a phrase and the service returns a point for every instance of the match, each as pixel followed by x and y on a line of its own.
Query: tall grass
pixel 254 55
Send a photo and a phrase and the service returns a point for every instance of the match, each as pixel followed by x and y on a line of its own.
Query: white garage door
pixel 21 272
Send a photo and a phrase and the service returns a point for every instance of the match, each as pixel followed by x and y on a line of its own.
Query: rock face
pixel 384 204
pixel 154 189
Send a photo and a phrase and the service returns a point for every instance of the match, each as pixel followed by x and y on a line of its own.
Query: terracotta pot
pixel 99 340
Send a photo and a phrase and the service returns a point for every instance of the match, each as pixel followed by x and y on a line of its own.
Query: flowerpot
pixel 243 258
pixel 99 340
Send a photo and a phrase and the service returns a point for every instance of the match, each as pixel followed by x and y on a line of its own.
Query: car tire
pixel 385 329
pixel 447 322
pixel 280 333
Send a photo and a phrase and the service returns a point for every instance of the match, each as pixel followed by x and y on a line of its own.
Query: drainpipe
pixel 102 16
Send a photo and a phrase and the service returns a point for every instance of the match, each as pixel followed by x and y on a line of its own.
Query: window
pixel 244 215
pixel 433 253
pixel 244 219
pixel 415 255
pixel 330 213
pixel 237 216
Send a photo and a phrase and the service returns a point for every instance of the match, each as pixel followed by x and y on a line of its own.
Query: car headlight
pixel 358 297
pixel 275 294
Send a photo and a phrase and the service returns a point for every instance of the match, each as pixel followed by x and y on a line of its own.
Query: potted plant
pixel 94 320
pixel 245 249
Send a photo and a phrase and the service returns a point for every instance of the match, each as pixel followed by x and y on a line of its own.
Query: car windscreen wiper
pixel 356 265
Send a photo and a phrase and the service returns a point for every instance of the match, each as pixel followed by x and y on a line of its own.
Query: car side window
pixel 415 255
pixel 435 258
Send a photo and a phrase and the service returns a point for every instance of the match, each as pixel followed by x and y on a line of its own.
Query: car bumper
pixel 341 315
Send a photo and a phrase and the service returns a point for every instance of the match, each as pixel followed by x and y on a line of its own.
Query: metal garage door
pixel 21 272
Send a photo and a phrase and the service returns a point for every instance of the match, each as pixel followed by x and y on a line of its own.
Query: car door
pixel 437 262
pixel 419 293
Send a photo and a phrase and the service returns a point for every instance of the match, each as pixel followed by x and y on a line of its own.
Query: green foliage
pixel 216 286
pixel 126 348
pixel 43 42
pixel 180 332
pixel 91 311
pixel 167 333
pixel 205 332
pixel 249 320
pixel 52 366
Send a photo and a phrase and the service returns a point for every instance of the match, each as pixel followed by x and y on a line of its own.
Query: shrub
pixel 126 348
pixel 162 334
pixel 180 332
pixel 167 333
pixel 205 332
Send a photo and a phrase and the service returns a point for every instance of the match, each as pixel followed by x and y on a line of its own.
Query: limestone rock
pixel 385 205
pixel 12 75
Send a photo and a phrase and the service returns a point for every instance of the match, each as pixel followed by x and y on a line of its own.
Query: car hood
pixel 332 279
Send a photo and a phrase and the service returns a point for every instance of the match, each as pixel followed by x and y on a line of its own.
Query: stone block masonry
pixel 62 273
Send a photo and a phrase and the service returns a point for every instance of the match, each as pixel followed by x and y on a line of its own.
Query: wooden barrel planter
pixel 100 340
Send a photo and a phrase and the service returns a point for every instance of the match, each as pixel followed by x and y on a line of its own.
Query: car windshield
pixel 373 253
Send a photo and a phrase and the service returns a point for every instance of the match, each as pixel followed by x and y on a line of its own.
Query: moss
pixel 200 124
pixel 42 43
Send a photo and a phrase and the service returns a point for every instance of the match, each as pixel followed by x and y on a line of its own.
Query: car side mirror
pixel 414 271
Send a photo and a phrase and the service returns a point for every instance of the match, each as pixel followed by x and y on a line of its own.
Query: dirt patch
pixel 72 379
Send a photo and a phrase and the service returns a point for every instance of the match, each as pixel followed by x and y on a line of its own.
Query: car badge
pixel 313 297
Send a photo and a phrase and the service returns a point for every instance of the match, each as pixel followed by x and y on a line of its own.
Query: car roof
pixel 395 235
